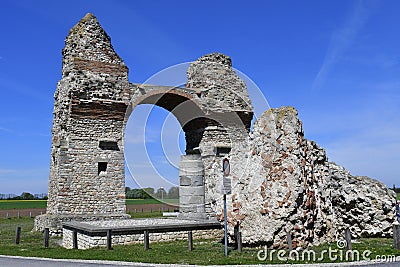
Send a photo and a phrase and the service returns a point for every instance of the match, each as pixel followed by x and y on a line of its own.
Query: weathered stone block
pixel 191 191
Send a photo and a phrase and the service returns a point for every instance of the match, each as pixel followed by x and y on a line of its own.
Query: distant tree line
pixel 396 189
pixel 24 196
pixel 134 193
pixel 149 192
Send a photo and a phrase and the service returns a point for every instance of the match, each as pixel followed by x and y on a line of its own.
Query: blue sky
pixel 337 62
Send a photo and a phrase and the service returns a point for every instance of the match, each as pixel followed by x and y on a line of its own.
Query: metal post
pixel 238 238
pixel 226 189
pixel 396 236
pixel 146 240
pixel 190 240
pixel 46 237
pixel 240 245
pixel 225 228
pixel 347 235
pixel 109 239
pixel 162 199
pixel 17 235
pixel 235 234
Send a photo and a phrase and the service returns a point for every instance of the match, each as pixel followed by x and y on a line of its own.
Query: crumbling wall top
pixel 88 41
pixel 220 84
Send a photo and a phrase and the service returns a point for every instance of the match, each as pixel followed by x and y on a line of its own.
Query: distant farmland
pixel 41 204
pixel 22 204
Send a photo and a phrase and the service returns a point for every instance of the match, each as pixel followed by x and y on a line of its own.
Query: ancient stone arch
pixel 93 102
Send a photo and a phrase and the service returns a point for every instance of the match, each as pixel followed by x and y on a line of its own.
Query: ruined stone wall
pixel 362 204
pixel 282 189
pixel 289 186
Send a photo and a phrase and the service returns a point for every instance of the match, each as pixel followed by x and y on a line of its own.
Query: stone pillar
pixel 191 189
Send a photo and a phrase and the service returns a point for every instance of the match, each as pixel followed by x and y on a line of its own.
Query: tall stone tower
pixel 87 180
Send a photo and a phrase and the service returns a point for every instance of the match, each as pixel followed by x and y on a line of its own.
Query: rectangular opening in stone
pixel 223 150
pixel 109 145
pixel 102 167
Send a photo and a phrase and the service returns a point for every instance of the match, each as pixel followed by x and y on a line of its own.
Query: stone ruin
pixel 281 182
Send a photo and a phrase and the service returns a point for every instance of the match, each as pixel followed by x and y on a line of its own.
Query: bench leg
pixel 190 240
pixel 146 240
pixel 75 239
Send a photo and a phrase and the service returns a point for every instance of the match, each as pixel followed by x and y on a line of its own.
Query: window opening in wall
pixel 109 145
pixel 223 150
pixel 102 167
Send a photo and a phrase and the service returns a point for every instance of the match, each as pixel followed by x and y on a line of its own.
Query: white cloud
pixel 6 130
pixel 24 133
pixel 341 40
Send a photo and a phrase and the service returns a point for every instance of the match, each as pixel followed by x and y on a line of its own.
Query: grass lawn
pixel 205 251
pixel 33 204
pixel 398 196
pixel 137 215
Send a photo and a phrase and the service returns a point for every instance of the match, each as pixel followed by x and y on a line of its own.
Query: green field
pixel 138 215
pixel 206 252
pixel 150 201
pixel 22 204
pixel 398 196
pixel 33 204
